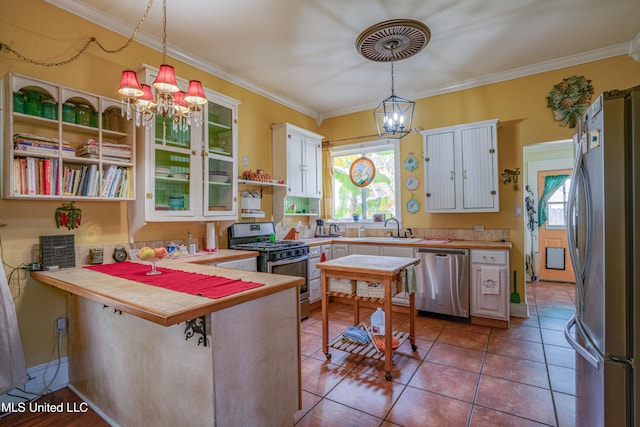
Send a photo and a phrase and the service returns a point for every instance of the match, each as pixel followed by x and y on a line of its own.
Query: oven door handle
pixel 288 261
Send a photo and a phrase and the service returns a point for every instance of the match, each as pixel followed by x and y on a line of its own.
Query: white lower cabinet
pixel 364 250
pixel 246 264
pixel 315 256
pixel 490 284
pixel 339 250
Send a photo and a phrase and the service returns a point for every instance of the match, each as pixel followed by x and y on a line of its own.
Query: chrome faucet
pixel 397 224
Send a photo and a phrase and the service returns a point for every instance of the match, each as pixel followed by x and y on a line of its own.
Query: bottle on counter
pixel 191 245
pixel 377 322
pixel 361 231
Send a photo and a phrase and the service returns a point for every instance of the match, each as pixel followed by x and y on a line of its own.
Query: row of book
pixel 39 176
pixel 37 144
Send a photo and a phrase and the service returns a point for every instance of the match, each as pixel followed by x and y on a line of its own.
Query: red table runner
pixel 176 280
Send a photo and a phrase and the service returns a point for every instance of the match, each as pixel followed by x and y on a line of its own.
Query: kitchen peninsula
pixel 145 355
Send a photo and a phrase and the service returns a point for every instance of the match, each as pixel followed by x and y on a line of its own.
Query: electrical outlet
pixel 478 228
pixel 61 326
pixel 517 210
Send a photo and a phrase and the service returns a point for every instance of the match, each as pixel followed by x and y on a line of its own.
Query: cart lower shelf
pixel 369 350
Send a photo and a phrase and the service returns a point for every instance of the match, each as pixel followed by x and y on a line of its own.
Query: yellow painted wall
pixel 42 32
pixel 521 107
pixel 46 33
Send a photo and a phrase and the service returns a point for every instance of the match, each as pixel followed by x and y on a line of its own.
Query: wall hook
pixel 509 175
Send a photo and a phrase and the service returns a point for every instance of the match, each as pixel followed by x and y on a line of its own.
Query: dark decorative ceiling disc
pixel 393 40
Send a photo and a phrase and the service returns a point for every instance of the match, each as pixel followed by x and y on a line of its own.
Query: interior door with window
pixel 555 264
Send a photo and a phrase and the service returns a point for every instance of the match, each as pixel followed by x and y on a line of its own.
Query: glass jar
pixel 33 103
pixel 69 112
pixel 83 114
pixel 50 109
pixel 18 102
pixel 95 116
pixel 113 119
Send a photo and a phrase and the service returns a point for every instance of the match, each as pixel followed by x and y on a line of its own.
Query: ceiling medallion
pixel 391 41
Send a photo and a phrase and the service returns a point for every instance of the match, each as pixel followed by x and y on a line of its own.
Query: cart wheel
pixel 328 355
pixel 414 347
pixel 387 376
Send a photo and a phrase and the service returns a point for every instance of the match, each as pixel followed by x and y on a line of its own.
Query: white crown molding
pixel 143 38
pixel 632 48
pixel 529 70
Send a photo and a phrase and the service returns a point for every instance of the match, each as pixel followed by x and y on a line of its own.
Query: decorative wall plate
pixel 411 163
pixel 362 172
pixel 412 183
pixel 413 205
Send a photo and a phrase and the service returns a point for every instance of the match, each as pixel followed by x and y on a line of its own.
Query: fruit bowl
pixel 152 255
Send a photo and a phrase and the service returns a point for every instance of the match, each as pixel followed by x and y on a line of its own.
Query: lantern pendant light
pixel 139 102
pixel 394 115
pixel 391 41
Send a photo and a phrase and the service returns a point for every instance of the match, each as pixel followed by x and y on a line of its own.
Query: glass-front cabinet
pixel 172 156
pixel 188 174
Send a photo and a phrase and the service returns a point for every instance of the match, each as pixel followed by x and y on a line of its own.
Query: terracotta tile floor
pixel 461 375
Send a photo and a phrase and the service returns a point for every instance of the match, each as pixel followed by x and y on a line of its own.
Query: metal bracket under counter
pixel 197 326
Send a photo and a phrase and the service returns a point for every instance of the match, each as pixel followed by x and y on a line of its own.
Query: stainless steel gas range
pixel 288 257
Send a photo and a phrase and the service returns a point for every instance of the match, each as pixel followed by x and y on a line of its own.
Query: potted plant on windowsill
pixel 569 99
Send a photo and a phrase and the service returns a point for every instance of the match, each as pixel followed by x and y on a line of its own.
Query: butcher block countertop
pixel 413 242
pixel 162 306
pixel 368 264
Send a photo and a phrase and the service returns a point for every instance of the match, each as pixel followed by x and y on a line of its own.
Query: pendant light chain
pixel 164 31
pixel 392 79
pixel 91 40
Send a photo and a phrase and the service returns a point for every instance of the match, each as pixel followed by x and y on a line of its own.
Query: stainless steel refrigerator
pixel 604 233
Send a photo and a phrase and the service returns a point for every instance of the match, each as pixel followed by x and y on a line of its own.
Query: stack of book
pixel 38 144
pixel 110 151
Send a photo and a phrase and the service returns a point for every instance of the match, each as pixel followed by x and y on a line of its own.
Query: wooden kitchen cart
pixel 383 269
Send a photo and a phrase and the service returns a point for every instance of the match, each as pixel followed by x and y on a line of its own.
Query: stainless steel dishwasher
pixel 443 281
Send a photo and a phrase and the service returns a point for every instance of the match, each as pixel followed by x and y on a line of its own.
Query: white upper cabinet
pixel 461 168
pixel 189 174
pixel 297 155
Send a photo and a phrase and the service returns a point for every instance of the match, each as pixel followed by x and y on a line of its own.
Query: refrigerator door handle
pixel 583 352
pixel 580 179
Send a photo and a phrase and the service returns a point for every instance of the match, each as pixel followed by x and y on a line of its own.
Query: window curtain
pixel 327 182
pixel 551 184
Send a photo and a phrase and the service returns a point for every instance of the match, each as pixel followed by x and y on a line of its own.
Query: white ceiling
pixel 302 52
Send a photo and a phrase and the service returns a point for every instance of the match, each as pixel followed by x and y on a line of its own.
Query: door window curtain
pixel 551 184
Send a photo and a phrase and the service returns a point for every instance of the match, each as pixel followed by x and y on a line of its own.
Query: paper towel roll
pixel 210 237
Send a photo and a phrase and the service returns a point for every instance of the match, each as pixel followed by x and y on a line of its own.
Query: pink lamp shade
pixel 129 85
pixel 166 79
pixel 195 93
pixel 147 96
pixel 178 99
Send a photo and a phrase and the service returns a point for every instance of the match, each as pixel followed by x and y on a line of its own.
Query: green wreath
pixel 569 99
